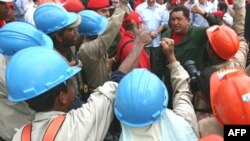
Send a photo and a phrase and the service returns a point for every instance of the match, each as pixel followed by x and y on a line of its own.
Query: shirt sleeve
pixel 164 16
pixel 117 76
pixel 182 96
pixel 92 120
pixel 97 48
pixel 240 58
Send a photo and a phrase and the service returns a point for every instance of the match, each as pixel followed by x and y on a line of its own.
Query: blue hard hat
pixel 51 17
pixel 16 36
pixel 92 23
pixel 141 98
pixel 35 70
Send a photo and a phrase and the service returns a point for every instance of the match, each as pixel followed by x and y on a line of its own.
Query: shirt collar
pixel 147 6
pixel 47 115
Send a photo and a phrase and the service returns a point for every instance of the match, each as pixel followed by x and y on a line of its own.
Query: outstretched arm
pixel 240 58
pixel 98 47
pixel 142 38
pixel 211 19
pixel 182 104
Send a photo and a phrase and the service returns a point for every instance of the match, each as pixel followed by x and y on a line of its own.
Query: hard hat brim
pixel 48 41
pixel 16 36
pixel 17 92
pixel 74 71
pixel 76 22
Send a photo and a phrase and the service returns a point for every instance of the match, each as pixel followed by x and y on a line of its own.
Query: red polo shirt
pixel 2 23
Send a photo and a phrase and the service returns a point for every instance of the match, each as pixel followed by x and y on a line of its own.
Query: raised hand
pixel 141 38
pixel 141 35
pixel 168 49
pixel 197 9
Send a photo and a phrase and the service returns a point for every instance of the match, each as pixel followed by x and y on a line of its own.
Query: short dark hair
pixel 222 6
pixel 185 10
pixel 45 101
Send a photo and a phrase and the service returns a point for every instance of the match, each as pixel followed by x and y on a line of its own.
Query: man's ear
pixel 58 37
pixel 62 97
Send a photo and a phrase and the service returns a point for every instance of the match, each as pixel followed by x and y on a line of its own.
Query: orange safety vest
pixel 50 133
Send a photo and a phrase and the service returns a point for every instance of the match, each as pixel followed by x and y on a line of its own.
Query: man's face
pixel 151 2
pixel 179 22
pixel 103 11
pixel 4 10
pixel 69 36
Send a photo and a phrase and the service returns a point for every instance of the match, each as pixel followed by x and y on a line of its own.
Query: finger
pixel 170 41
pixel 164 44
pixel 135 29
pixel 164 39
pixel 143 27
pixel 144 32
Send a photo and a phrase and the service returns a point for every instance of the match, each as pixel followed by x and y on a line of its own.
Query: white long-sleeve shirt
pixel 87 123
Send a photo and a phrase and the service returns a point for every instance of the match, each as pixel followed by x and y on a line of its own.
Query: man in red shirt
pixel 126 43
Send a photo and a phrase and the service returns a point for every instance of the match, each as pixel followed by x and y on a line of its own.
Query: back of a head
pixel 92 23
pixel 230 98
pixel 97 4
pixel 224 41
pixel 222 6
pixel 51 17
pixel 16 36
pixel 35 70
pixel 141 98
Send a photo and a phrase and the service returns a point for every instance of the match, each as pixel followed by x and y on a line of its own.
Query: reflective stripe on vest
pixel 50 133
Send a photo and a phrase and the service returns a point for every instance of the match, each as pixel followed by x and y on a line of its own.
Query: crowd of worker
pixel 128 70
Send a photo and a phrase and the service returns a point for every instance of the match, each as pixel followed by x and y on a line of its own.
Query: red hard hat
pixel 224 41
pixel 212 137
pixel 70 5
pixel 98 4
pixel 230 96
